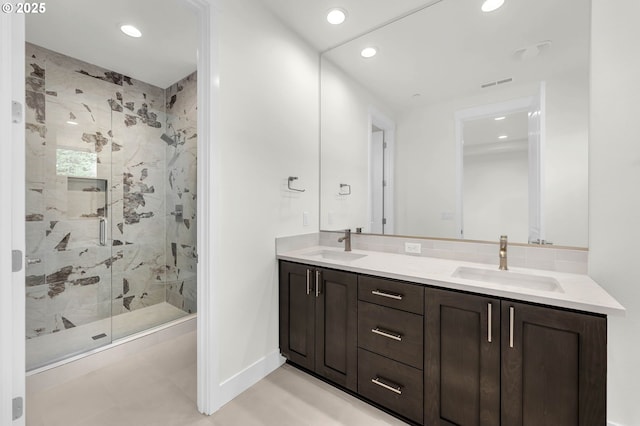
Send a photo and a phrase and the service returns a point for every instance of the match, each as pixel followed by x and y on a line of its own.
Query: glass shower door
pixel 68 201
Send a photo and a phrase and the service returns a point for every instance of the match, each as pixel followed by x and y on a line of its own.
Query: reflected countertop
pixel 577 291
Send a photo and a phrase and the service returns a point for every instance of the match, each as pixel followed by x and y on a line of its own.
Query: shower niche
pixel 107 256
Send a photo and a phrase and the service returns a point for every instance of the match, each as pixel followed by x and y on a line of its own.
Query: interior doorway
pixel 381 149
pixel 500 173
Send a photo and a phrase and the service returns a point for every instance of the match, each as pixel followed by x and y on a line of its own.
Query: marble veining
pixel 151 258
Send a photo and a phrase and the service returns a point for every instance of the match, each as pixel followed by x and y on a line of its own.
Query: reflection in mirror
pixel 410 128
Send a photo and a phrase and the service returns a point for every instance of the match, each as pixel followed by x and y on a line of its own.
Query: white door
pixel 12 296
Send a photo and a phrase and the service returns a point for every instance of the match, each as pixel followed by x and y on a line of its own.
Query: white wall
pixel 426 161
pixel 614 192
pixel 345 128
pixel 495 187
pixel 267 130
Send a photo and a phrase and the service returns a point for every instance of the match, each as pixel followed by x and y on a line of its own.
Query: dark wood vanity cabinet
pixel 318 321
pixel 462 359
pixel 390 345
pixel 497 362
pixel 554 366
pixel 443 357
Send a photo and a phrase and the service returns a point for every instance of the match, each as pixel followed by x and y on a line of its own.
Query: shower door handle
pixel 103 231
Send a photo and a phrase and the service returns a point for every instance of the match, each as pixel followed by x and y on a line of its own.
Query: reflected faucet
pixel 346 239
pixel 503 253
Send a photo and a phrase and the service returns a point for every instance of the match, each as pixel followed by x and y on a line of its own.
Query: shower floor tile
pixel 50 348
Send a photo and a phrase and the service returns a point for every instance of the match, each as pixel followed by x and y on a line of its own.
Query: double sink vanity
pixel 447 342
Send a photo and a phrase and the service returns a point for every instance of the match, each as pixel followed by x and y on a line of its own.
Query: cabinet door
pixel 336 327
pixel 553 366
pixel 297 308
pixel 462 359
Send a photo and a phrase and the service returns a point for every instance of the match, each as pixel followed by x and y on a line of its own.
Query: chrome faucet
pixel 503 253
pixel 346 239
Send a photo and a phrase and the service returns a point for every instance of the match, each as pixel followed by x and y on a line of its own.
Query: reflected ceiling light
pixel 500 118
pixel 369 52
pixel 131 31
pixel 491 5
pixel 336 16
pixel 502 137
pixel 73 123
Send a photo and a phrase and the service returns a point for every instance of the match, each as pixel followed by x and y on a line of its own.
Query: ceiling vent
pixel 496 83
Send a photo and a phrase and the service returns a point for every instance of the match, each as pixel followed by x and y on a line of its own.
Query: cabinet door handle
pixel 511 315
pixel 387 334
pixel 395 296
pixel 489 312
pixel 389 386
pixel 308 281
pixel 318 281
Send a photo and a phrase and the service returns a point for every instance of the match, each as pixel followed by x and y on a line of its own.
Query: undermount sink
pixel 513 279
pixel 344 256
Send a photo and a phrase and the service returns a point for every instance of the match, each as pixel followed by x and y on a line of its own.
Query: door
pixel 336 326
pixel 297 314
pixel 69 141
pixel 462 359
pixel 553 367
pixel 381 193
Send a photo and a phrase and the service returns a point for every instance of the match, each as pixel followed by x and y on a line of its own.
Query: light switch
pixel 305 218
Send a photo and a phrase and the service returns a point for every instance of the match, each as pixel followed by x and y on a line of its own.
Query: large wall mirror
pixel 464 124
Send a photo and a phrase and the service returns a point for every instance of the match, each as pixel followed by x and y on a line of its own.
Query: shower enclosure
pixel 111 205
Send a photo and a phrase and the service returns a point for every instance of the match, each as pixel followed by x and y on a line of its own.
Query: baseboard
pixel 243 380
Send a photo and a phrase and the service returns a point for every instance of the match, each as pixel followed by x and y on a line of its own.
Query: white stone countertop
pixel 577 292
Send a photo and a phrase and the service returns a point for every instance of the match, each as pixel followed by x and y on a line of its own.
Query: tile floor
pixel 157 387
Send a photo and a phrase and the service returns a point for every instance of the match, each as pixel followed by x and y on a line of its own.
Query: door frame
pixel 388 126
pixel 533 103
pixel 12 185
pixel 12 294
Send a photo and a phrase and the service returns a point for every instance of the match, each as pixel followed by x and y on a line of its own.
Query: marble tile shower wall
pixel 181 193
pixel 115 124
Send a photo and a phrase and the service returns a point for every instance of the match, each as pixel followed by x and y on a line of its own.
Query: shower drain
pixel 98 336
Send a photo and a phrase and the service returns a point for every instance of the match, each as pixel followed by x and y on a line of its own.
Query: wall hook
pixel 291 179
pixel 343 185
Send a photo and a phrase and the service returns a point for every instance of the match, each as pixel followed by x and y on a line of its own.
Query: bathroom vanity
pixel 443 342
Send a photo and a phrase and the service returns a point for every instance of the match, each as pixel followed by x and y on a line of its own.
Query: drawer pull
pixel 388 386
pixel 387 334
pixel 395 296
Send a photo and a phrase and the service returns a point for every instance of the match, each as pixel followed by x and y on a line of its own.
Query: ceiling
pixel 447 47
pixel 308 18
pixel 448 50
pixel 89 30
pixel 484 131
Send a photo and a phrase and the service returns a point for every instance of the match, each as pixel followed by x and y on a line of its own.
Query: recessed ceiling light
pixel 336 16
pixel 491 5
pixel 500 118
pixel 368 52
pixel 131 31
pixel 503 137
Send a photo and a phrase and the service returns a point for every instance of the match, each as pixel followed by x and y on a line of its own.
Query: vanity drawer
pixel 391 384
pixel 392 333
pixel 395 294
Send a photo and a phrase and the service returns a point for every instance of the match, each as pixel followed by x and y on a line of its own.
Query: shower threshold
pixel 50 349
